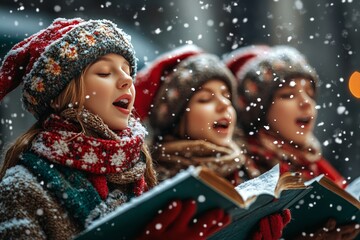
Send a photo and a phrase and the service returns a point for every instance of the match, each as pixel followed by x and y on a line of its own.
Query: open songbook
pixel 247 203
pixel 326 200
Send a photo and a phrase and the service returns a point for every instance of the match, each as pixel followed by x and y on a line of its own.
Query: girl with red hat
pixel 276 103
pixel 86 154
pixel 189 111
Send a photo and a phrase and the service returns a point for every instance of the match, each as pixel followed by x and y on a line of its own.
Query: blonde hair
pixel 73 94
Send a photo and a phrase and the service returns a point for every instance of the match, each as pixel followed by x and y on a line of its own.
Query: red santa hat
pixel 166 85
pixel 149 79
pixel 260 70
pixel 236 60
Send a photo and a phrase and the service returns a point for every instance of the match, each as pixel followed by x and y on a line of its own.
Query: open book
pixel 326 200
pixel 210 191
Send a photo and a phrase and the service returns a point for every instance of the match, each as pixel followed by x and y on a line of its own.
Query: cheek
pixel 276 112
pixel 200 114
pixel 197 121
pixel 133 93
pixel 233 115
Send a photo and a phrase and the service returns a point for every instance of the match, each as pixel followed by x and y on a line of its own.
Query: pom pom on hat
pixel 47 61
pixel 149 79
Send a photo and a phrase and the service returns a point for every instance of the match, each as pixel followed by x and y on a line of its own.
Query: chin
pixel 225 143
pixel 118 127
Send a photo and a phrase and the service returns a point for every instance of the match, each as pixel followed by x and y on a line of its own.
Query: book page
pixel 263 184
pixel 354 188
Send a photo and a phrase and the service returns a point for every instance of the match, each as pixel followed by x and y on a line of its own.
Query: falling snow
pixel 325 32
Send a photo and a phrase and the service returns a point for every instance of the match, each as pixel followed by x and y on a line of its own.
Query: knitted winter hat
pixel 48 60
pixel 260 70
pixel 171 80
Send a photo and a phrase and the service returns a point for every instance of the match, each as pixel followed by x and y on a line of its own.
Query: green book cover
pixel 325 201
pixel 130 219
pixel 264 205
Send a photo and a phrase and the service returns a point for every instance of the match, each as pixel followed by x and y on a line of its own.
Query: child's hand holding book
pixel 177 221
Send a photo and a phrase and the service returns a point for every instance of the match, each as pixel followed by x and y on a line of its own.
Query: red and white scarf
pixel 111 154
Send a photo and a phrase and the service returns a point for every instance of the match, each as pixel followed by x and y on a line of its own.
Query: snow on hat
pixel 149 79
pixel 260 70
pixel 47 61
pixel 166 86
pixel 238 58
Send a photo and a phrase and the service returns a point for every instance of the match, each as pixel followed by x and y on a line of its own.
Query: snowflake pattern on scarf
pixel 62 144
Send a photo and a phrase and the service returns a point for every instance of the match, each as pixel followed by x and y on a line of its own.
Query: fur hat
pixel 167 85
pixel 260 70
pixel 47 61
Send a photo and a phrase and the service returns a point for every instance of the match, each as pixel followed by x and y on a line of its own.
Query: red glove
pixel 175 222
pixel 270 227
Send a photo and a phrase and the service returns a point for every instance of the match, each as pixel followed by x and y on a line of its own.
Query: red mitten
pixel 286 216
pixel 175 222
pixel 270 227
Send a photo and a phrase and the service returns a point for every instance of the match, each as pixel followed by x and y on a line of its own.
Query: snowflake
pixel 69 162
pixel 60 147
pixel 53 67
pixel 65 134
pixel 117 158
pixel 90 157
pixel 37 84
pixel 94 143
pixel 87 38
pixel 68 51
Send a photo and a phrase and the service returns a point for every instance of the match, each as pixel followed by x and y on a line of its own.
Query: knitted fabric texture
pixel 260 71
pixel 266 151
pixel 47 61
pixel 150 79
pixel 29 211
pixel 176 155
pixel 66 184
pixel 62 143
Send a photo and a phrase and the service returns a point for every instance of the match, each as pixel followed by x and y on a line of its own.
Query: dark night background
pixel 326 32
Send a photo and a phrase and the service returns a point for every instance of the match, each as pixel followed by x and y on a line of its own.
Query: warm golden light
pixel 354 84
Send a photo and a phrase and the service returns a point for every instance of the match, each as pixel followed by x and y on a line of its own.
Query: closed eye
pixel 103 74
pixel 286 96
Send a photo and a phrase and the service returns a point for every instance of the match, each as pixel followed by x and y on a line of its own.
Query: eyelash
pixel 104 74
pixel 204 100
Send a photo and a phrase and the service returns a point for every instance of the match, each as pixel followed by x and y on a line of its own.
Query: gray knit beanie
pixel 261 74
pixel 178 87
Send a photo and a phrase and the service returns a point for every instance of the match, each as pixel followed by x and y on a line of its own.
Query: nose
pixel 304 100
pixel 223 103
pixel 124 82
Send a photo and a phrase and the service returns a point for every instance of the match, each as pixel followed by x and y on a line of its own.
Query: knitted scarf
pixel 267 150
pixel 66 184
pixel 229 162
pixel 110 157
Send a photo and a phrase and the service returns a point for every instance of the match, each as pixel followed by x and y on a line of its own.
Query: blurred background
pixel 326 32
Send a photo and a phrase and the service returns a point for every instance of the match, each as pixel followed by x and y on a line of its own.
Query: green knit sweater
pixel 41 200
